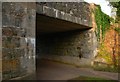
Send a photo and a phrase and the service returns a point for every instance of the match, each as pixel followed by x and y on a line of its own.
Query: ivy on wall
pixel 104 53
pixel 102 21
pixel 117 30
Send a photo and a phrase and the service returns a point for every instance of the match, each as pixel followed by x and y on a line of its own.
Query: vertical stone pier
pixel 18 40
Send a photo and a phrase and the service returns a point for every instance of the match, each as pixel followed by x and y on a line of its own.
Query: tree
pixel 116 5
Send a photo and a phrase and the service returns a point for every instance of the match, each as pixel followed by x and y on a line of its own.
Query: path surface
pixel 49 70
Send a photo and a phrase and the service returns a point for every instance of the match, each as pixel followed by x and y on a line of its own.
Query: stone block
pixel 13 31
pixel 9 31
pixel 8 53
pixel 23 43
pixel 73 9
pixel 11 42
pixel 10 65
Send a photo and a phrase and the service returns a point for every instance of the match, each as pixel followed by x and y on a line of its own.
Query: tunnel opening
pixel 61 41
pixel 57 37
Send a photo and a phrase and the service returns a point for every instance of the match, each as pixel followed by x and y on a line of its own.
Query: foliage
pixel 108 65
pixel 116 5
pixel 102 21
pixel 88 78
pixel 103 53
pixel 106 69
pixel 117 30
pixel 112 20
pixel 106 55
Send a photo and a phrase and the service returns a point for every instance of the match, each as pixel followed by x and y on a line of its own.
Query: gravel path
pixel 49 70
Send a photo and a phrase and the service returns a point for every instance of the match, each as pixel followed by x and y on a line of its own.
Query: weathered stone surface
pixel 11 69
pixel 13 53
pixel 76 44
pixel 13 31
pixel 74 8
pixel 71 11
pixel 12 64
pixel 11 42
pixel 18 38
pixel 18 29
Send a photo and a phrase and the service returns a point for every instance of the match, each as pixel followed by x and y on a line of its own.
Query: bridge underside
pixel 63 41
pixel 46 24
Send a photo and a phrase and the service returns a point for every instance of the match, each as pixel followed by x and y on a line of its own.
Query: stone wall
pixel 77 12
pixel 75 47
pixel 18 39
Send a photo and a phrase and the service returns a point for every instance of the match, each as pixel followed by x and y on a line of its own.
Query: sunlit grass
pixel 90 79
pixel 106 69
pixel 87 78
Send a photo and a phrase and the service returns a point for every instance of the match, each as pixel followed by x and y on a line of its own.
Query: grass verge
pixel 105 69
pixel 90 79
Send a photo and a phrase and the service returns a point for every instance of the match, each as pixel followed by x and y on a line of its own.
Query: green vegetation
pixel 108 59
pixel 88 78
pixel 103 53
pixel 117 30
pixel 107 65
pixel 116 5
pixel 106 69
pixel 102 21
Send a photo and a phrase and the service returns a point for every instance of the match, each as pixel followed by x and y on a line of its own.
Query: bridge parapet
pixel 75 12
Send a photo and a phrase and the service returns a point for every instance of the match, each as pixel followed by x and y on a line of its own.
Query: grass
pixel 105 69
pixel 90 79
pixel 87 78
